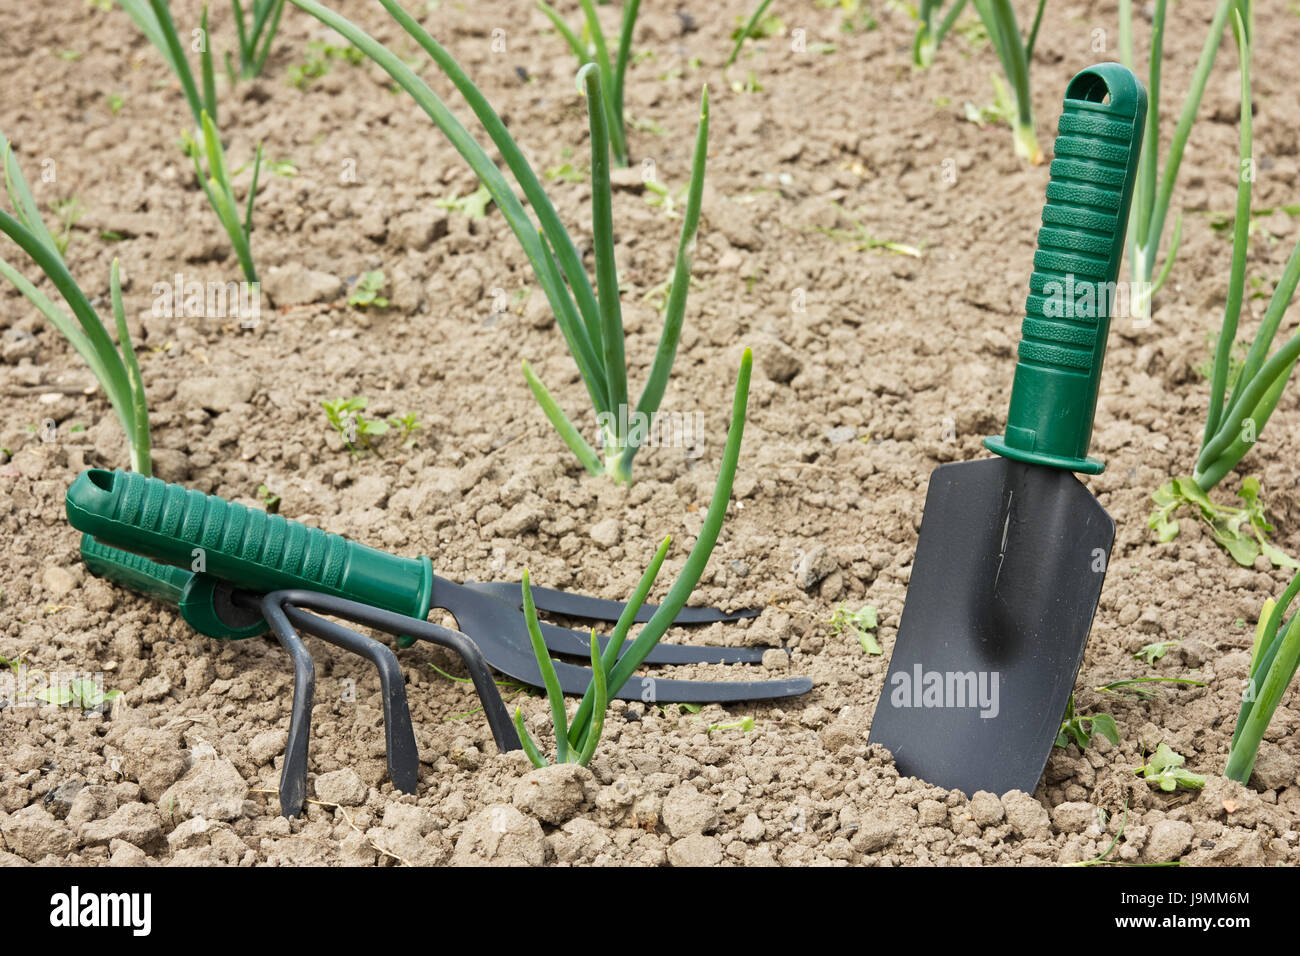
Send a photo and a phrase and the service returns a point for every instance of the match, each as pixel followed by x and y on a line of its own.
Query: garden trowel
pixel 1013 550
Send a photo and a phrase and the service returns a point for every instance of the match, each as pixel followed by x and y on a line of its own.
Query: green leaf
pixel 1104 724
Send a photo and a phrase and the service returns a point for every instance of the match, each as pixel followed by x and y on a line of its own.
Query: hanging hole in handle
pixel 1089 87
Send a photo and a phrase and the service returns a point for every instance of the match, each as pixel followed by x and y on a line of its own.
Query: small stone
pixel 695 850
pixel 136 823
pixel 122 853
pixel 25 758
pixel 58 582
pixel 606 533
pixel 217 393
pixel 295 284
pixel 1028 817
pixel 687 811
pixel 34 833
pixel 1274 768
pixel 752 829
pixel 1073 817
pixel 153 758
pixel 1168 840
pixel 931 813
pixel 986 809
pixel 97 595
pixel 500 835
pixel 846 730
pixel 522 518
pixel 267 745
pixel 91 803
pixel 212 788
pixel 170 464
pixel 343 787
pixel 554 794
pixel 775 659
pixel 814 564
pixel 193 832
pixel 841 433
pixel 779 362
pixel 873 836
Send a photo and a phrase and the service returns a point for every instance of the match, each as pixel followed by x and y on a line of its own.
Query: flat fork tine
pixel 599 609
pixel 473 605
pixel 399 737
pixel 293 777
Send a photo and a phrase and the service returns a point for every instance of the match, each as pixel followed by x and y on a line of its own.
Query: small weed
pixel 747 725
pixel 863 241
pixel 860 624
pixel 270 500
pixel 473 205
pixel 320 55
pixel 69 212
pixel 366 294
pixel 1165 770
pixel 1153 652
pixel 1081 728
pixel 1243 532
pixel 115 103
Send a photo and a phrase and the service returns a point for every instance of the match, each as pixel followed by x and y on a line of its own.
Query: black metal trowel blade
pixel 1008 571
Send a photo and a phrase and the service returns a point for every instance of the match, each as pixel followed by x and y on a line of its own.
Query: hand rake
pixel 251 571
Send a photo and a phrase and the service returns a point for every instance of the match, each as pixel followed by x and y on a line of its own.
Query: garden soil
pixel 871 368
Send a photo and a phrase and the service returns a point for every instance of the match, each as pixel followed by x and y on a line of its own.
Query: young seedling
pixel 596 50
pixel 408 424
pixel 576 739
pixel 114 366
pixel 473 206
pixel 270 500
pixel 366 293
pixel 1153 652
pixel 1164 769
pixel 746 724
pixel 1151 200
pixel 1136 685
pixel 317 63
pixel 863 241
pixel 1237 417
pixel 590 321
pixel 859 623
pixel 256 33
pixel 755 27
pixel 1015 53
pixel 80 693
pixel 204 146
pixel 1242 532
pixel 345 417
pixel 1273 662
pixel 929 34
pixel 69 212
pixel 1081 727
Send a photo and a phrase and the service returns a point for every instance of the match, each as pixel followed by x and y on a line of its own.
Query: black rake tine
pixel 399 737
pixel 293 777
pixel 494 708
pixel 599 609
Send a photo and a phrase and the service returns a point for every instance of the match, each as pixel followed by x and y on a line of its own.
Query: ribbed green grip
pixel 245 547
pixel 198 597
pixel 1073 287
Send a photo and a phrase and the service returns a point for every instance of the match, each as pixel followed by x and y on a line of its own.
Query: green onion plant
pixel 591 47
pixel 1237 415
pixel 747 31
pixel 930 31
pixel 256 32
pixel 590 321
pixel 576 739
pixel 155 22
pixel 1273 662
pixel 115 366
pixel 1015 54
pixel 1154 188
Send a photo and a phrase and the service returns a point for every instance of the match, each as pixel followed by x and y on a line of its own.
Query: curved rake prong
pixel 399 737
pixel 600 609
pixel 498 718
pixel 293 778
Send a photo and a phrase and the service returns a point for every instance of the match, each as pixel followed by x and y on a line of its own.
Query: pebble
pixel 554 794
pixel 499 835
pixel 606 533
pixel 696 850
pixel 688 812
pixel 343 787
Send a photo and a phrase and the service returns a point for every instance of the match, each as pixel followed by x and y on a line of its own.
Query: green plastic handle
pixel 1071 291
pixel 201 600
pixel 244 547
